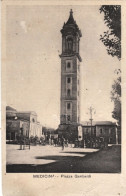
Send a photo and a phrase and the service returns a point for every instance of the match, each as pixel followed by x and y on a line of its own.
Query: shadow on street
pixel 103 161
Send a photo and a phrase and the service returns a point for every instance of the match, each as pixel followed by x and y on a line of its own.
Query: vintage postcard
pixel 63 98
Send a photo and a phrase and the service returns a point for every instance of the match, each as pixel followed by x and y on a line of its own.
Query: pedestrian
pixel 50 141
pixel 59 142
pixel 55 142
pixel 62 143
pixel 67 143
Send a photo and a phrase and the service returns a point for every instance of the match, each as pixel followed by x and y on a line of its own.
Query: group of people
pixel 89 142
pixel 92 142
pixel 59 142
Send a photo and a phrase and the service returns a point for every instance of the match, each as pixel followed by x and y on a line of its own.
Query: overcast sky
pixel 33 66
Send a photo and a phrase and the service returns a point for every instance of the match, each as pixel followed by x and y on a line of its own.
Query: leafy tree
pixel 112 37
pixel 112 40
pixel 116 98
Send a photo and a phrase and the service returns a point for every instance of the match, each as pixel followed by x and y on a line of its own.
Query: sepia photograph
pixel 63 89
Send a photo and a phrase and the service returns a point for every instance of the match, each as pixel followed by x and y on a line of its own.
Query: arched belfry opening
pixel 70 44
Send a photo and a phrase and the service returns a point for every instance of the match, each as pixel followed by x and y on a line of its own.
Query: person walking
pixel 62 143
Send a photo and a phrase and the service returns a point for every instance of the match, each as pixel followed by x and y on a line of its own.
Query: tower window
pixel 33 120
pixel 68 106
pixel 78 81
pixel 68 117
pixel 78 93
pixel 86 130
pixel 101 131
pixel 68 80
pixel 70 44
pixel 68 92
pixel 68 65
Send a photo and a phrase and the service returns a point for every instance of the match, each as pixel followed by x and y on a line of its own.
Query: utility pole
pixel 91 109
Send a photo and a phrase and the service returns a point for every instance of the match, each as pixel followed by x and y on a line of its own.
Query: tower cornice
pixel 71 55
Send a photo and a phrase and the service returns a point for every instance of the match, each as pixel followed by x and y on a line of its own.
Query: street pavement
pixel 38 155
pixel 50 159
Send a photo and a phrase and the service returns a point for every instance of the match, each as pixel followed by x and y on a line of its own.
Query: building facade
pixel 35 128
pixel 70 75
pixel 16 127
pixel 101 129
pixel 23 122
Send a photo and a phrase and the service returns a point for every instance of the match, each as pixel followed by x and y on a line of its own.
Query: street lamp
pixel 91 109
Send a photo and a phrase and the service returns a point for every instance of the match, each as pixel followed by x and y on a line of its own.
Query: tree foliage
pixel 116 98
pixel 112 38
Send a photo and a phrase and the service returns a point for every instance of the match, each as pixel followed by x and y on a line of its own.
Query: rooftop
pixel 27 112
pixel 71 23
pixel 8 108
pixel 71 19
pixel 94 123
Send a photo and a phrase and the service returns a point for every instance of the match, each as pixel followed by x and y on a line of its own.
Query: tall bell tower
pixel 70 75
